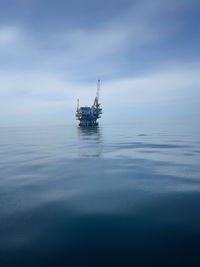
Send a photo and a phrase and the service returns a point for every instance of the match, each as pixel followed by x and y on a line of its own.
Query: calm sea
pixel 117 195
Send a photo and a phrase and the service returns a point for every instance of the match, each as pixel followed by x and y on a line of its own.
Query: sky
pixel 146 54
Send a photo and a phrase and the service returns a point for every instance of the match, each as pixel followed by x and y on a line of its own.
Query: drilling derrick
pixel 88 116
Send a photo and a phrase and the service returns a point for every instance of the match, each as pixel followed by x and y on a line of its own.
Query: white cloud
pixel 86 52
pixel 166 83
pixel 41 92
pixel 9 35
pixel 44 71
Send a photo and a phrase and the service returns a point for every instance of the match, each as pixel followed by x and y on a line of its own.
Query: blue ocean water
pixel 116 195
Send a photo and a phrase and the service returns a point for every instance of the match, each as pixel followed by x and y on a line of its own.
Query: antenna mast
pixel 77 105
pixel 96 100
pixel 98 89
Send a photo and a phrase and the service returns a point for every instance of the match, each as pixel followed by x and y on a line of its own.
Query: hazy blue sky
pixel 147 54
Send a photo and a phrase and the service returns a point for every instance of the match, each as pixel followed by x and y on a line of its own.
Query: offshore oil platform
pixel 88 116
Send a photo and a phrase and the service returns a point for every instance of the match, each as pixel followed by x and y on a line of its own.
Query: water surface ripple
pixel 107 196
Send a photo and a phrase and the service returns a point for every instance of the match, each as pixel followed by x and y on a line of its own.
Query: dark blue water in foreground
pixel 112 196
